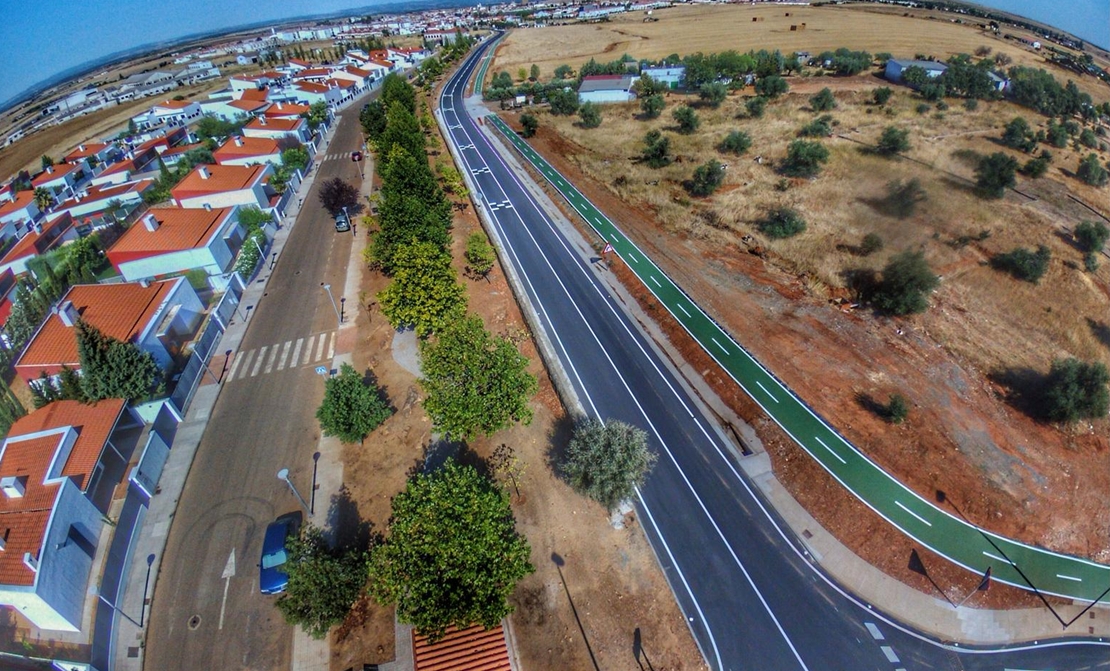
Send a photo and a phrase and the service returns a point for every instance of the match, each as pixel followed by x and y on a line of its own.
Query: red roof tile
pixel 244 147
pixel 34 243
pixel 260 95
pixel 22 200
pixel 179 228
pixel 473 649
pixel 220 178
pixel 55 172
pixel 285 110
pixel 90 149
pixel 279 124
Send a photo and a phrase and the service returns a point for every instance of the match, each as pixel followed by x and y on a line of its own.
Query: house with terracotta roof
pixel 361 78
pixel 225 186
pixel 348 88
pixel 99 153
pixel 59 466
pixel 317 74
pixel 232 109
pixel 62 178
pixel 172 156
pixel 471 649
pixel 283 110
pixel 239 150
pixel 296 64
pixel 310 92
pixel 17 216
pixel 169 113
pixel 172 240
pixel 55 230
pixel 157 317
pixel 94 200
pixel 278 128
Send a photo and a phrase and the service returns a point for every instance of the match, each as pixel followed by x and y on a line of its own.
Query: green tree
pixel 607 462
pixel 47 162
pixel 528 124
pixel 563 103
pixel 1092 235
pixel 336 194
pixel 396 89
pixel 211 127
pixel 781 223
pixel 707 178
pixel 402 130
pixel 1035 167
pixel 352 407
pixel 563 72
pixel 1087 138
pixel 881 95
pixel 915 76
pixel 756 106
pixel 1024 264
pixel 804 158
pixel 43 198
pixel 479 255
pixel 474 383
pixel 652 106
pixel 713 93
pixel 534 73
pixel 372 119
pixel 452 556
pixel 994 174
pixel 893 141
pixel 771 86
pixel 687 120
pixel 823 101
pixel 323 582
pixel 425 293
pixel 819 127
pixel 317 114
pixel 1076 390
pixel 589 115
pixel 1091 171
pixel 1018 135
pixel 736 142
pixel 657 149
pixel 294 158
pixel 932 91
pixel 1056 135
pixel 112 368
pixel 906 284
pixel 897 410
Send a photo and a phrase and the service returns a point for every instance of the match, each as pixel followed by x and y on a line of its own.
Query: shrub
pixel 756 106
pixel 906 284
pixel 804 159
pixel 1090 262
pixel 607 462
pixel 1088 139
pixel 823 101
pixel 1076 390
pixel 657 149
pixel 529 124
pixel 563 103
pixel 1035 167
pixel 351 408
pixel 897 409
pixel 589 115
pixel 782 223
pixel 736 142
pixel 713 93
pixel 1091 235
pixel 652 106
pixel 994 174
pixel 479 255
pixel 971 104
pixel 872 242
pixel 819 127
pixel 893 141
pixel 881 95
pixel 923 108
pixel 1018 135
pixel 687 120
pixel 1091 171
pixel 771 86
pixel 707 178
pixel 1023 263
pixel 1056 135
pixel 932 92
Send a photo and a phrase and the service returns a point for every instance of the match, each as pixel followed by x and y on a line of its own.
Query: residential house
pixel 361 78
pixel 172 156
pixel 296 64
pixel 318 75
pixel 169 113
pixel 55 230
pixel 310 92
pixel 226 185
pixel 441 37
pixel 171 240
pixel 61 179
pixel 278 128
pixel 59 466
pixel 895 67
pixel 232 109
pixel 98 153
pixel 240 150
pixel 285 111
pixel 17 216
pixel 348 88
pixel 671 76
pixel 606 89
pixel 8 286
pixel 156 317
pixel 95 201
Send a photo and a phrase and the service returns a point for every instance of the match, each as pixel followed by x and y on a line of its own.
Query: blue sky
pixel 42 38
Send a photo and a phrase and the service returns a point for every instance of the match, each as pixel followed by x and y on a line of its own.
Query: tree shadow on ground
pixel 1023 389
pixel 872 405
pixel 436 453
pixel 349 529
pixel 557 439
pixel 1101 330
pixel 862 282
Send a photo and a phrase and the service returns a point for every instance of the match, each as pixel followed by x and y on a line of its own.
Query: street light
pixel 315 464
pixel 146 585
pixel 283 474
pixel 327 288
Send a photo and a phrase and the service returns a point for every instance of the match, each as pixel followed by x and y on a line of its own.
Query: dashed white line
pixel 831 451
pixel 632 257
pixel 258 361
pixel 890 656
pixel 918 517
pixel 723 348
pixel 766 392
pixel 679 306
pixel 875 633
pixel 1068 577
pixel 656 281
pixel 997 558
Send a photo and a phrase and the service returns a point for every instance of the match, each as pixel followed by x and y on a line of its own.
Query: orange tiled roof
pixel 357 71
pixel 22 200
pixel 341 83
pixel 285 110
pixel 29 245
pixel 121 311
pixel 472 649
pixel 56 171
pixel 248 104
pixel 313 72
pixel 220 178
pixel 242 147
pixel 382 62
pixel 178 228
pixel 311 87
pixel 90 149
pixel 276 124
pixel 24 519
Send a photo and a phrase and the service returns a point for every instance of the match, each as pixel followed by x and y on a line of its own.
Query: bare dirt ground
pixel 1007 472
pixel 611 574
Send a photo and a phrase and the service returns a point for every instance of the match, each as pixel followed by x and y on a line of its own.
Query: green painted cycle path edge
pixel 480 75
pixel 960 542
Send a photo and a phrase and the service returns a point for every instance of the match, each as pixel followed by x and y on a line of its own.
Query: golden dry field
pixel 712 28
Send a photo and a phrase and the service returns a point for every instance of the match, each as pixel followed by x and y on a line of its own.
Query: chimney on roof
pixel 208 207
pixel 67 312
pixel 37 227
pixel 150 222
pixel 50 170
pixel 238 141
pixel 81 147
pixel 4 540
pixel 144 283
pixel 262 121
pixel 203 172
pixel 13 486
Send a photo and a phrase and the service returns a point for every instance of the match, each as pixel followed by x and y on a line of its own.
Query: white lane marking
pixel 247 363
pixel 308 351
pixel 996 557
pixel 632 257
pixel 258 361
pixel 296 353
pixel 331 346
pixel 270 361
pixel 875 633
pixel 919 517
pixel 679 305
pixel 229 572
pixel 320 346
pixel 234 367
pixel 766 392
pixel 1068 577
pixel 656 281
pixel 723 349
pixel 890 656
pixel 284 354
pixel 818 439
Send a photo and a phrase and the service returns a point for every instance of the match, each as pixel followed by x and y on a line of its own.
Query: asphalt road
pixel 260 424
pixel 752 598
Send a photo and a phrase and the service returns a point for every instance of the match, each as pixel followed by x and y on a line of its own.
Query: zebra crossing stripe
pixel 247 363
pixel 320 346
pixel 258 361
pixel 296 353
pixel 234 367
pixel 270 361
pixel 331 347
pixel 308 351
pixel 284 354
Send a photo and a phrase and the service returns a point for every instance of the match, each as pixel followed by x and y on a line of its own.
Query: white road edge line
pixel 919 517
pixel 996 557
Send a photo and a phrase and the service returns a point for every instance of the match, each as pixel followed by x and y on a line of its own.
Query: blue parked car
pixel 271 578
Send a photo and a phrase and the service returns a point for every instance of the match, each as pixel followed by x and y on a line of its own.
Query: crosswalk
pixel 336 156
pixel 311 350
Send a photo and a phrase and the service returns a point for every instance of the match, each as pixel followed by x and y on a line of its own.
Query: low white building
pixel 226 186
pixel 171 240
pixel 169 113
pixel 606 89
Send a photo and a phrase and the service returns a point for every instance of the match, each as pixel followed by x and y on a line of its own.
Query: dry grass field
pixel 712 28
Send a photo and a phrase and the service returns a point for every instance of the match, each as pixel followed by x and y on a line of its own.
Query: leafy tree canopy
pixel 906 284
pixel 607 462
pixel 323 582
pixel 1076 390
pixel 804 158
pixel 352 407
pixel 335 194
pixel 112 368
pixel 425 293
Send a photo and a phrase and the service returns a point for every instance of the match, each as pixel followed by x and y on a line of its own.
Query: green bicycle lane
pixel 480 76
pixel 939 530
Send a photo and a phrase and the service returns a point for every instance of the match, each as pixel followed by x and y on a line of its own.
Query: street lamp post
pixel 146 586
pixel 327 288
pixel 283 474
pixel 312 496
pixel 342 308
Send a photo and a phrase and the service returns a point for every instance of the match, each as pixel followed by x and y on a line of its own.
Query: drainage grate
pixel 132 651
pixel 194 622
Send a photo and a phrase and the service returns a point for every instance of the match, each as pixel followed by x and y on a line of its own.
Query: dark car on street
pixel 272 578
